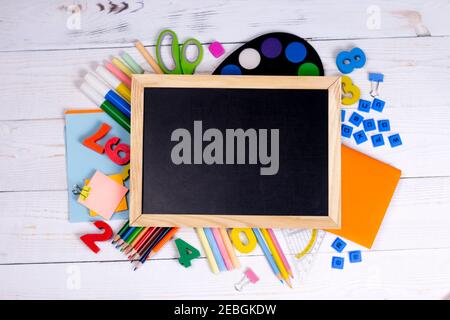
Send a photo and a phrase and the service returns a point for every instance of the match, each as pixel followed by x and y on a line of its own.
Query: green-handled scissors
pixel 182 64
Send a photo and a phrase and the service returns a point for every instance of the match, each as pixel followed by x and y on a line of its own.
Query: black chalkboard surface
pixel 235 151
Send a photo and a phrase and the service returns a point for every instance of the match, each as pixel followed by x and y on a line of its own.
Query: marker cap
pixel 107 76
pixel 92 94
pixel 97 84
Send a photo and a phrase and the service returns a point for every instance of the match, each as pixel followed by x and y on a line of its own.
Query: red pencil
pixel 147 244
pixel 142 241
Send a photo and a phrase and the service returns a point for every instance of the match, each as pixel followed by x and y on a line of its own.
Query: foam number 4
pixel 242 247
pixel 350 92
pixel 114 154
pixel 187 252
pixel 90 239
pixel 91 142
pixel 347 61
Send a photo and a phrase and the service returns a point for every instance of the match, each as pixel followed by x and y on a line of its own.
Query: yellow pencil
pixel 207 248
pixel 122 67
pixel 276 256
pixel 229 247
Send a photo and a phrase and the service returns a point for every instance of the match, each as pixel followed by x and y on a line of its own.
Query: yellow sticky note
pixel 122 205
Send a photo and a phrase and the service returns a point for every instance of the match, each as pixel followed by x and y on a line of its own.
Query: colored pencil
pixel 125 236
pixel 208 252
pixel 215 249
pixel 229 247
pixel 276 256
pixel 163 241
pixel 150 248
pixel 222 248
pixel 136 240
pixel 280 251
pixel 266 251
pixel 132 236
pixel 142 242
pixel 119 74
pixel 121 231
pixel 122 67
pixel 147 56
pixel 148 243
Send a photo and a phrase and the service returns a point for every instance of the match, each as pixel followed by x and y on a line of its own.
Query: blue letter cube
pixel 356 119
pixel 346 131
pixel 360 137
pixel 384 125
pixel 378 105
pixel 395 140
pixel 337 263
pixel 369 125
pixel 364 105
pixel 354 256
pixel 338 244
pixel 377 140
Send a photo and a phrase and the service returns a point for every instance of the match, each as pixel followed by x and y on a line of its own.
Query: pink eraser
pixel 251 275
pixel 216 49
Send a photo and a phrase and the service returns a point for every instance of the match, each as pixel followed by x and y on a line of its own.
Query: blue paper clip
pixel 375 79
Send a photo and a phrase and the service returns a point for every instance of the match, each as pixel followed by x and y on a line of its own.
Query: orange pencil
pixel 163 241
pixel 136 240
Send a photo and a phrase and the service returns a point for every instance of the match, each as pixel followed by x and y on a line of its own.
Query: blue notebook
pixel 82 162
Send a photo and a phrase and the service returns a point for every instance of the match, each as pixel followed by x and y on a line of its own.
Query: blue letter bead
pixel 384 125
pixel 346 131
pixel 355 256
pixel 364 105
pixel 378 105
pixel 360 137
pixel 337 263
pixel 338 244
pixel 356 119
pixel 369 125
pixel 395 140
pixel 377 140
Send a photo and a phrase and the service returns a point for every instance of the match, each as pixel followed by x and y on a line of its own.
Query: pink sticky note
pixel 216 49
pixel 104 195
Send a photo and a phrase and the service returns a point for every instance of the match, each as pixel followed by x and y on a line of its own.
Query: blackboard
pixel 235 151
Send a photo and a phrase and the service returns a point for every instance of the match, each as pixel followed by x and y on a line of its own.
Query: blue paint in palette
pixel 278 53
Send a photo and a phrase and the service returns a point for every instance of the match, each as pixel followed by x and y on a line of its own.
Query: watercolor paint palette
pixel 276 53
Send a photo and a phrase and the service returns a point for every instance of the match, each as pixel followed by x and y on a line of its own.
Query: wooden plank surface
pixel 40 85
pixel 43 63
pixel 42 24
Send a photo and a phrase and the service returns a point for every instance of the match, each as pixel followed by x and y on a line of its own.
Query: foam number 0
pixel 350 92
pixel 90 239
pixel 250 244
pixel 114 153
pixel 187 252
pixel 347 61
pixel 91 142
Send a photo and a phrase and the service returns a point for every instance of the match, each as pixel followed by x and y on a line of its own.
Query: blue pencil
pixel 215 249
pixel 150 248
pixel 125 236
pixel 267 253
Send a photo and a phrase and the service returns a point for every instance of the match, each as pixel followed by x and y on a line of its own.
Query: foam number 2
pixel 350 92
pixel 91 142
pixel 187 252
pixel 347 61
pixel 242 247
pixel 114 154
pixel 90 239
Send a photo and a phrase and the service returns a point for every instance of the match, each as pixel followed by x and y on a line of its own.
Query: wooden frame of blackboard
pixel 331 84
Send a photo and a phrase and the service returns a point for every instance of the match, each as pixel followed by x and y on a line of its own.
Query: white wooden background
pixel 41 64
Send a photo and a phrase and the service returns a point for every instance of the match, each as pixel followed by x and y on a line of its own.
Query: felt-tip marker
pixel 109 94
pixel 110 79
pixel 106 106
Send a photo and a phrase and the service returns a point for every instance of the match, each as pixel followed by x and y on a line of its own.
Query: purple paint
pixel 271 48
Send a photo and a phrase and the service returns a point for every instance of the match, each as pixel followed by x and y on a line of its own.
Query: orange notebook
pixel 367 188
